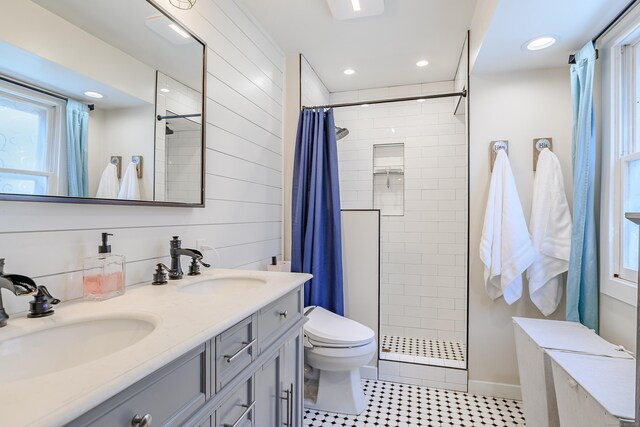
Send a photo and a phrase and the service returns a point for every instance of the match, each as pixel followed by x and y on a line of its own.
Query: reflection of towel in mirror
pixel 505 247
pixel 130 189
pixel 108 187
pixel 550 228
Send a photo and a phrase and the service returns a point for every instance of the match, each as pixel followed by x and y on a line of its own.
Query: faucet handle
pixel 159 276
pixel 41 305
pixel 194 268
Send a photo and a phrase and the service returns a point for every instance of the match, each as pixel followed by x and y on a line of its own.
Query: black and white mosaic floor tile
pixel 402 405
pixel 421 347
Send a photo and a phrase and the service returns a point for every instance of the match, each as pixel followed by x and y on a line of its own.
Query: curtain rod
pixel 40 90
pixel 614 21
pixel 384 101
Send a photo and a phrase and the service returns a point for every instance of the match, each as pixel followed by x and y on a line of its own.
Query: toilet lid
pixel 325 327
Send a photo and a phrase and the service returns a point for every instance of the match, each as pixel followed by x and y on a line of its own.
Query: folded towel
pixel 550 229
pixel 109 186
pixel 130 189
pixel 505 247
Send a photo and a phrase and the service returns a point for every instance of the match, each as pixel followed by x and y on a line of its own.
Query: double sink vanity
pixel 222 349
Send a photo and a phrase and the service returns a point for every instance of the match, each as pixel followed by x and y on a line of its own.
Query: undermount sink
pixel 224 285
pixel 69 345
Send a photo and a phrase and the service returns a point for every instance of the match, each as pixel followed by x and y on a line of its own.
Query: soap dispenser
pixel 104 274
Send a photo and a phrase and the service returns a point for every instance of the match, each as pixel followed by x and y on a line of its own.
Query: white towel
pixel 505 247
pixel 550 229
pixel 109 186
pixel 130 189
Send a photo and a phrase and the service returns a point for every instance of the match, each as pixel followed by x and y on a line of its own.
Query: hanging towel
pixel 505 247
pixel 109 186
pixel 130 190
pixel 550 229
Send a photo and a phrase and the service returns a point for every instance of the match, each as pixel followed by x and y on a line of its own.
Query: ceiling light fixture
pixel 349 71
pixel 183 4
pixel 95 95
pixel 179 30
pixel 422 63
pixel 364 105
pixel 165 90
pixel 420 100
pixel 356 5
pixel 540 43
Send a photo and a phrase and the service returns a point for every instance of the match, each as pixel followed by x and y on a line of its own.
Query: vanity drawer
pixel 169 396
pixel 277 317
pixel 236 348
pixel 238 408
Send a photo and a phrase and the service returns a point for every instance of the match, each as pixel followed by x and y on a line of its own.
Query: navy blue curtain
pixel 317 236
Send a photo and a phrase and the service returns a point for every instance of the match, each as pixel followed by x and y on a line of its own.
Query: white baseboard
pixel 505 391
pixel 369 372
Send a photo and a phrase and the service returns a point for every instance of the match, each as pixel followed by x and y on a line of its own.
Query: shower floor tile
pixel 398 348
pixel 402 405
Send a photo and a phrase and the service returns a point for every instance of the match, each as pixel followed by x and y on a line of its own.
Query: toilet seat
pixel 326 329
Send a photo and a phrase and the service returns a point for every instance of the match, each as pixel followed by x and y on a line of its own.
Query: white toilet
pixel 336 348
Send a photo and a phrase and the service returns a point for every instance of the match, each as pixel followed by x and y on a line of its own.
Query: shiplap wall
pixel 243 213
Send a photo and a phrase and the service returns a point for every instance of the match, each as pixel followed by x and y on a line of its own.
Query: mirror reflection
pixel 108 106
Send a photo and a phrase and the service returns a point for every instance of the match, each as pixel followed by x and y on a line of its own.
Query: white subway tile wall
pixel 424 252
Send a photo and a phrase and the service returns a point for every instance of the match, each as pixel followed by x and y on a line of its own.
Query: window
pixel 29 141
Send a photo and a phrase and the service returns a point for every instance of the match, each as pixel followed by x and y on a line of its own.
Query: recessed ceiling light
pixel 422 63
pixel 179 30
pixel 349 71
pixel 356 5
pixel 165 90
pixel 92 94
pixel 540 43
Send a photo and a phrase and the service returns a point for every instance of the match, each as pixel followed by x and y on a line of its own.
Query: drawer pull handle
pixel 242 417
pixel 247 346
pixel 141 421
pixel 289 398
pixel 284 314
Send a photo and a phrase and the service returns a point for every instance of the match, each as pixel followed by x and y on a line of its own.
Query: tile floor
pixel 429 352
pixel 402 405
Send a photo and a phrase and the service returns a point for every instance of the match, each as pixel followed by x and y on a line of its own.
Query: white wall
pixel 423 289
pixel 517 106
pixel 22 24
pixel 243 213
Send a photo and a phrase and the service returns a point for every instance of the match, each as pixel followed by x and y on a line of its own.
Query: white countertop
pixel 183 321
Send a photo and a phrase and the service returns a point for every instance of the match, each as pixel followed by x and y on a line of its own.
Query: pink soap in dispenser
pixel 104 274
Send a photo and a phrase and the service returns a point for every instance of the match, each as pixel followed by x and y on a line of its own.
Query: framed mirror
pixel 108 108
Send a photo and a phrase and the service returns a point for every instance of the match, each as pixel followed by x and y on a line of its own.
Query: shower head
pixel 341 133
pixel 167 130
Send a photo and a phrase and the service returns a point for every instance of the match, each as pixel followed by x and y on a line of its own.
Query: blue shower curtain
pixel 582 281
pixel 77 150
pixel 316 236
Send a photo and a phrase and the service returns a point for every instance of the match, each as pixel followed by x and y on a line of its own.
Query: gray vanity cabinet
pixel 250 375
pixel 278 387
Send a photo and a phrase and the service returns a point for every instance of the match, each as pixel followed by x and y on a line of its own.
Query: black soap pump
pixel 104 274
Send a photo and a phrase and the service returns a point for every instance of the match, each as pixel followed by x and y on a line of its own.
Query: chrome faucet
pixel 176 251
pixel 18 285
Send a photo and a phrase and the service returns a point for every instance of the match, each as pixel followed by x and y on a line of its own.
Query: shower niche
pixel 388 179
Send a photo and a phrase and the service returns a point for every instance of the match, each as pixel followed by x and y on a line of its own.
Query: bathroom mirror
pixel 107 108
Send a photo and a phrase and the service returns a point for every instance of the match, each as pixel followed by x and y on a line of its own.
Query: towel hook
pixel 117 162
pixel 495 146
pixel 138 161
pixel 540 144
